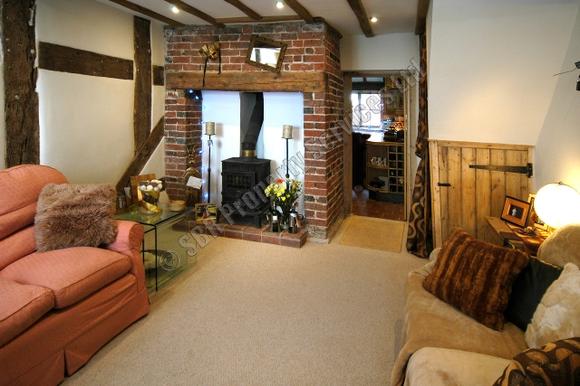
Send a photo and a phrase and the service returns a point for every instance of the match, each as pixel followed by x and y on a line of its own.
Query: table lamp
pixel 287 135
pixel 557 205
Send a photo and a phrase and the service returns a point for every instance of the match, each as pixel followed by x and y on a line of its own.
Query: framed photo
pixel 516 211
pixel 205 212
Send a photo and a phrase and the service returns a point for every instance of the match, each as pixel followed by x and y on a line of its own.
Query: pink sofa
pixel 58 308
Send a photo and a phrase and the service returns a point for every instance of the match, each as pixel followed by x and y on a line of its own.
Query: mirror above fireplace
pixel 266 53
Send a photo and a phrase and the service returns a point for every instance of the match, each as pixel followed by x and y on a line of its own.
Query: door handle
pixel 444 184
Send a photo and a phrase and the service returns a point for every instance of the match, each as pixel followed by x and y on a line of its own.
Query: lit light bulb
pixel 279 4
pixel 558 205
pixel 174 9
pixel 374 19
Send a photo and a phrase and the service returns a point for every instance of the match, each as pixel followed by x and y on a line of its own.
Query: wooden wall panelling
pixel 483 194
pixel 55 57
pixel 142 98
pixel 20 97
pixel 473 194
pixel 468 187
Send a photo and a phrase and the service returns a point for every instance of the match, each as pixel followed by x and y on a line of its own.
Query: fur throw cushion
pixel 554 364
pixel 558 314
pixel 475 277
pixel 74 216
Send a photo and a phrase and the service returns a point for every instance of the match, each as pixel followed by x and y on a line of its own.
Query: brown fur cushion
pixel 74 216
pixel 556 363
pixel 475 277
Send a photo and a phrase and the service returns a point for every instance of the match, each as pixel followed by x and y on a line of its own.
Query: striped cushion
pixel 475 277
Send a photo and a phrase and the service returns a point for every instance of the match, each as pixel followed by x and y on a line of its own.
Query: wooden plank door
pixel 465 191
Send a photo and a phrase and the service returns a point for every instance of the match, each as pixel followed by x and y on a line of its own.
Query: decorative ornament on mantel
pixel 211 52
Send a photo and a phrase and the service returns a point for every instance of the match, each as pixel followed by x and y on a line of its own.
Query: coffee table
pixel 152 223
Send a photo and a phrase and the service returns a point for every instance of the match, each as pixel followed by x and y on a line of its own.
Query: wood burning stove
pixel 244 178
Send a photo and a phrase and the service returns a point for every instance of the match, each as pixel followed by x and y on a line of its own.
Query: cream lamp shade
pixel 210 128
pixel 558 205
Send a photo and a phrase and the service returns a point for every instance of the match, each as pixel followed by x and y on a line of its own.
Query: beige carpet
pixel 373 233
pixel 257 314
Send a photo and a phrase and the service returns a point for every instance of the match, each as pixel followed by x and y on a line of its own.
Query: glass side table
pixel 159 230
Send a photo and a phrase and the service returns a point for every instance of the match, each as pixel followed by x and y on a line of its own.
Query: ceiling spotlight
pixel 174 9
pixel 374 19
pixel 279 4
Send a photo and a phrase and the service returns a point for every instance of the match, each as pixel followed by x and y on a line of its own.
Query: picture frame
pixel 205 212
pixel 516 211
pixel 265 53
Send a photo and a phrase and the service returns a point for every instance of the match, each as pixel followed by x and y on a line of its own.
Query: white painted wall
pixel 86 123
pixel 393 51
pixel 491 66
pixel 280 108
pixel 558 146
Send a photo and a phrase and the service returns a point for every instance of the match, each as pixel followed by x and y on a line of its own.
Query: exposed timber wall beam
pixel 245 9
pixel 55 57
pixel 196 12
pixel 143 86
pixel 147 12
pixel 361 15
pixel 20 97
pixel 422 9
pixel 142 156
pixel 300 10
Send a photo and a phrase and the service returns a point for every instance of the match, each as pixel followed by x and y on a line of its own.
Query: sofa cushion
pixel 475 277
pixel 556 363
pixel 72 273
pixel 558 314
pixel 562 246
pixel 528 289
pixel 20 187
pixel 443 367
pixel 17 245
pixel 75 216
pixel 20 306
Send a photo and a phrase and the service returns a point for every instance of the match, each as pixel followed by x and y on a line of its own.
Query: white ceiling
pixel 393 15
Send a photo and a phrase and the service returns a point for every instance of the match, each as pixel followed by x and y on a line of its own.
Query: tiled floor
pixel 363 206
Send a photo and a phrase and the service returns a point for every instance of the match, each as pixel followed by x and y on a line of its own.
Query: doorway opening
pixel 377 155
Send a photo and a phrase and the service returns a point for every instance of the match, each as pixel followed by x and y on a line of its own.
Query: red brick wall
pixel 311 48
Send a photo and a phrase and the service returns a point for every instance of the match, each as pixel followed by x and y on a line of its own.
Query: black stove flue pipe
pixel 251 120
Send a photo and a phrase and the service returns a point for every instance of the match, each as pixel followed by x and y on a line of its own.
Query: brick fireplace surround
pixel 311 48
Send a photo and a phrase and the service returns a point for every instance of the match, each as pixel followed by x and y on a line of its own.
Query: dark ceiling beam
pixel 422 9
pixel 264 19
pixel 361 15
pixel 245 9
pixel 195 12
pixel 300 10
pixel 147 12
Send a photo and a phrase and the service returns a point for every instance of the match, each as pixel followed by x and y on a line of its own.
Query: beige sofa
pixel 443 346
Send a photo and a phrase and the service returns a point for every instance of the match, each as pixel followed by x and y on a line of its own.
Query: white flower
pixel 149 188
